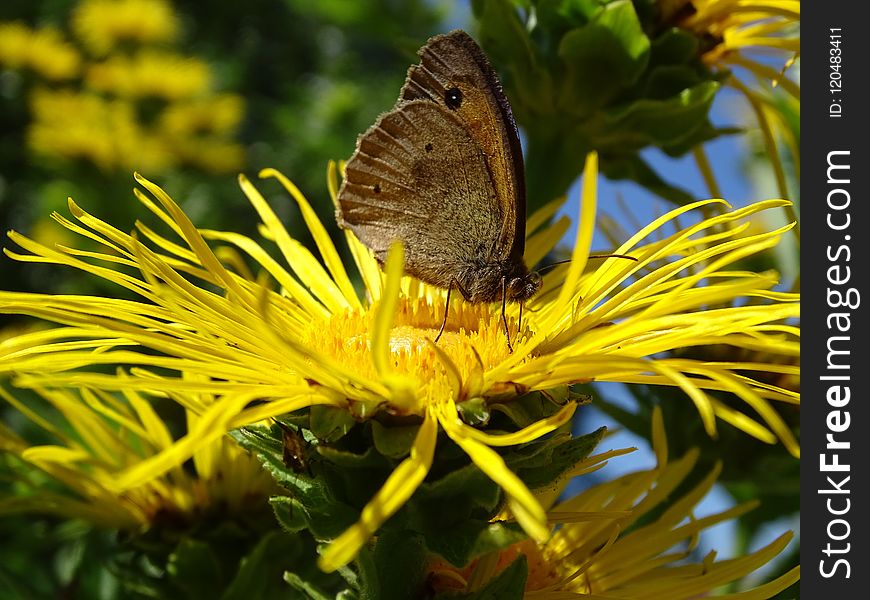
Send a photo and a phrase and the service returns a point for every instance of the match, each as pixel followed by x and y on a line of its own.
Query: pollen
pixel 473 342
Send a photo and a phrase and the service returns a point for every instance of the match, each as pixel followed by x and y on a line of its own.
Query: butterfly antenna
pixel 567 260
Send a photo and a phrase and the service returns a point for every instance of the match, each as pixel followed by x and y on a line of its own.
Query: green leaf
pixel 674 47
pixel 556 149
pixel 258 440
pixel 310 590
pixel 289 512
pixel 543 464
pixel 474 412
pixel 535 406
pixel 669 81
pixel 506 41
pixel 353 460
pixel 311 503
pixel 325 520
pixel 602 59
pixel 396 567
pixel 667 121
pixel 330 423
pixel 470 539
pixel 195 569
pixel 703 134
pixel 263 566
pixel 394 442
pixel 467 487
pixel 557 15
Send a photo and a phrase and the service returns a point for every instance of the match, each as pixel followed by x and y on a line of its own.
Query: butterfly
pixel 442 172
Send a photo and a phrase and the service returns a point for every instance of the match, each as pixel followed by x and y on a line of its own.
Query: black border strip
pixel 835 424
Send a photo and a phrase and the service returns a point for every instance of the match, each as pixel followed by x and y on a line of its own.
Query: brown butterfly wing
pixel 418 176
pixel 455 61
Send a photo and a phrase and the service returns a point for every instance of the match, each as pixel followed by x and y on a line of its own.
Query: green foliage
pixel 394 568
pixel 603 76
pixel 449 516
pixel 225 561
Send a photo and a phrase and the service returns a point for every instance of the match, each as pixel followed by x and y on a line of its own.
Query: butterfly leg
pixel 507 335
pixel 444 321
pixel 465 295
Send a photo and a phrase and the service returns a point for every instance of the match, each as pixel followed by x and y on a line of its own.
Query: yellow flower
pixel 151 73
pixel 71 124
pixel 99 435
pixel 14 38
pixel 220 114
pixel 613 541
pixel 733 33
pixel 739 25
pixel 194 128
pixel 100 120
pixel 44 50
pixel 103 24
pixel 206 324
pixel 211 154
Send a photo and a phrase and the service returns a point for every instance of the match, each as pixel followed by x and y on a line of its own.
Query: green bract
pixel 585 76
pixel 452 515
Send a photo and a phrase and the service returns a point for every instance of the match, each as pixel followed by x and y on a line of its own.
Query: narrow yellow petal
pixel 585 230
pixel 659 438
pixel 523 505
pixel 532 432
pixel 297 256
pixel 386 311
pixel 212 425
pixel 321 238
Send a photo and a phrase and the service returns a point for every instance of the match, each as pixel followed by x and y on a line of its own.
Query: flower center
pixel 473 340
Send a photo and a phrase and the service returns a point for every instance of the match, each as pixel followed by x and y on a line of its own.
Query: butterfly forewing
pixel 455 62
pixel 443 172
pixel 413 166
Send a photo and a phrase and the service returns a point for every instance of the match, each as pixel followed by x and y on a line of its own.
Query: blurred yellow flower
pixel 103 24
pixel 206 324
pixel 43 50
pixel 150 73
pixel 211 154
pixel 107 114
pixel 193 130
pixel 87 126
pixel 73 125
pixel 14 40
pixel 220 113
pixel 46 232
pixel 96 435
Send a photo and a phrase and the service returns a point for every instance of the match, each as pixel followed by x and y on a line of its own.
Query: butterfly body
pixel 443 173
